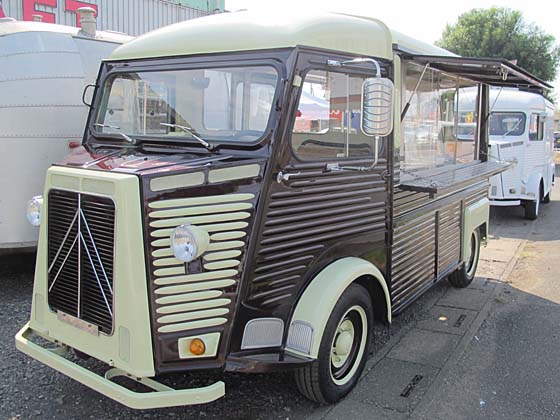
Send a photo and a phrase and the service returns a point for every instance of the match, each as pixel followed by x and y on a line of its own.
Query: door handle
pixel 285 177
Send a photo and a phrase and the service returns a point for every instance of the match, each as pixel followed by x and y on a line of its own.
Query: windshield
pixel 217 104
pixel 507 123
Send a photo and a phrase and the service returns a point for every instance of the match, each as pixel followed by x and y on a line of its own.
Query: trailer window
pixel 440 127
pixel 223 104
pixel 327 124
pixel 507 123
pixel 536 128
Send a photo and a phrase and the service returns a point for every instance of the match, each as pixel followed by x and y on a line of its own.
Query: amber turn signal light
pixel 197 347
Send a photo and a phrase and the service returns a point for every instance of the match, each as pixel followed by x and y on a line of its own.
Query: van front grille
pixel 81 233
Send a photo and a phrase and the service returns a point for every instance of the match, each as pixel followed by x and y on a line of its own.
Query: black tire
pixel 546 198
pixel 325 381
pixel 532 207
pixel 464 276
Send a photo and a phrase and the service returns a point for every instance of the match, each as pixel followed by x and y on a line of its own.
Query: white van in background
pixel 521 129
pixel 44 69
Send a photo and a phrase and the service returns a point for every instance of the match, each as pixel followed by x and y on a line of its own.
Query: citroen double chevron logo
pixel 84 245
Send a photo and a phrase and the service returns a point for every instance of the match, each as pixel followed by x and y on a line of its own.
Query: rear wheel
pixel 343 350
pixel 465 275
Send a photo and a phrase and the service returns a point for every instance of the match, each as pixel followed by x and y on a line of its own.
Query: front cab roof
pixel 249 31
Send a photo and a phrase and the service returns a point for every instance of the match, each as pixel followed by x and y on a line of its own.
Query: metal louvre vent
pixel 81 231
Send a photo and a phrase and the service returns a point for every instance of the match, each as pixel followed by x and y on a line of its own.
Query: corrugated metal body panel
pixel 405 201
pixel 133 17
pixel 413 257
pixel 426 240
pixel 175 285
pixel 303 220
pixel 478 193
pixel 199 297
pixel 449 237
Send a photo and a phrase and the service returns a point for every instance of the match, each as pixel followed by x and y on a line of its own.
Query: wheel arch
pixel 536 179
pixel 475 216
pixel 315 305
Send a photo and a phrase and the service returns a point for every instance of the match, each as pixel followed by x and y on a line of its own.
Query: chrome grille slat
pixel 81 232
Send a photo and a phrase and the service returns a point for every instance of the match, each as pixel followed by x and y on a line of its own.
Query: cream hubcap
pixel 348 345
pixel 342 343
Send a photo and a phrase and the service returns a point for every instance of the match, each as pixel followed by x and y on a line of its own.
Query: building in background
pixel 557 120
pixel 133 17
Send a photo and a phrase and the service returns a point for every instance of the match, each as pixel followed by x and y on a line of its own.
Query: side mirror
pixel 377 106
pixel 87 95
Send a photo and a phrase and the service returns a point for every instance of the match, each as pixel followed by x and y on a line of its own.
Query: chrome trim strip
pixel 63 263
pixel 63 242
pixel 96 251
pixel 96 276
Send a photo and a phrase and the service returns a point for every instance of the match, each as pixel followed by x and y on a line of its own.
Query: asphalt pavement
pixel 489 351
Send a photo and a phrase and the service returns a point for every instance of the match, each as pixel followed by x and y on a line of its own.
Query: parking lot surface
pixel 488 351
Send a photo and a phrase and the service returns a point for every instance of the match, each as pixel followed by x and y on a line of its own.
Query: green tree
pixel 504 33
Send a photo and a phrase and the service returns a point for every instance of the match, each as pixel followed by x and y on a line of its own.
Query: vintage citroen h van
pixel 254 200
pixel 522 129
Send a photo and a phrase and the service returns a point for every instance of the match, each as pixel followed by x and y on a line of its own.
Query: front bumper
pixel 161 396
pixel 505 203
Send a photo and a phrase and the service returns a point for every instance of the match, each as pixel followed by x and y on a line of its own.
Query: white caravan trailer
pixel 521 129
pixel 44 69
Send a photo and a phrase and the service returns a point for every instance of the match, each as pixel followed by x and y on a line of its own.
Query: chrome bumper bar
pixel 161 396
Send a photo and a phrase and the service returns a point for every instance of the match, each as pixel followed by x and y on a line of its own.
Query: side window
pixel 327 124
pixel 441 124
pixel 536 128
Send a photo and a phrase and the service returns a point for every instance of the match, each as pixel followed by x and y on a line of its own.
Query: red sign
pixel 30 9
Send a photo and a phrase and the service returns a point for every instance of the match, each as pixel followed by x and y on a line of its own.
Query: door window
pixel 328 119
pixel 536 128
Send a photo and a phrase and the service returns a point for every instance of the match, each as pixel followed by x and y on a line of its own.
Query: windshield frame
pixel 111 70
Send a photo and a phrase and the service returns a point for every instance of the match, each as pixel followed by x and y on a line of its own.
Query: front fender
pixel 534 183
pixel 319 298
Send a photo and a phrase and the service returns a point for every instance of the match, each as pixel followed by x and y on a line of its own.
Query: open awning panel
pixel 491 71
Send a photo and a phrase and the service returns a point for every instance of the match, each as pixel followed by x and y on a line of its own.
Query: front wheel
pixel 343 349
pixel 532 209
pixel 465 275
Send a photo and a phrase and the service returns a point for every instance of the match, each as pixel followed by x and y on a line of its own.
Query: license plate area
pixel 78 323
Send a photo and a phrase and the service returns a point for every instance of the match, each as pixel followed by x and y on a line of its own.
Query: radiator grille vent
pixel 81 233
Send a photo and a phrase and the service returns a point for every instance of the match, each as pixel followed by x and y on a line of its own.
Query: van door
pixel 535 156
pixel 320 206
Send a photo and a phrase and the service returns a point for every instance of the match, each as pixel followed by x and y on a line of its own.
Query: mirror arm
pixel 337 63
pixel 405 109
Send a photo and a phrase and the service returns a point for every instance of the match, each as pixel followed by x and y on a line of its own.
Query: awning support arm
pixel 405 109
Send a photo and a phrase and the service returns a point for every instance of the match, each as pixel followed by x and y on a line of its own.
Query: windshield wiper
pixel 114 127
pixel 191 132
pixel 510 131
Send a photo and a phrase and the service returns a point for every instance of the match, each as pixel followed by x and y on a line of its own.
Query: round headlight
pixel 189 242
pixel 34 210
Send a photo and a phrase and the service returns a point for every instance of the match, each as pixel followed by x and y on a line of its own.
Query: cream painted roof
pixel 17 26
pixel 248 30
pixel 413 46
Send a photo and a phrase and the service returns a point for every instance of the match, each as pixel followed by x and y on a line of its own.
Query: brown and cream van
pixel 252 193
